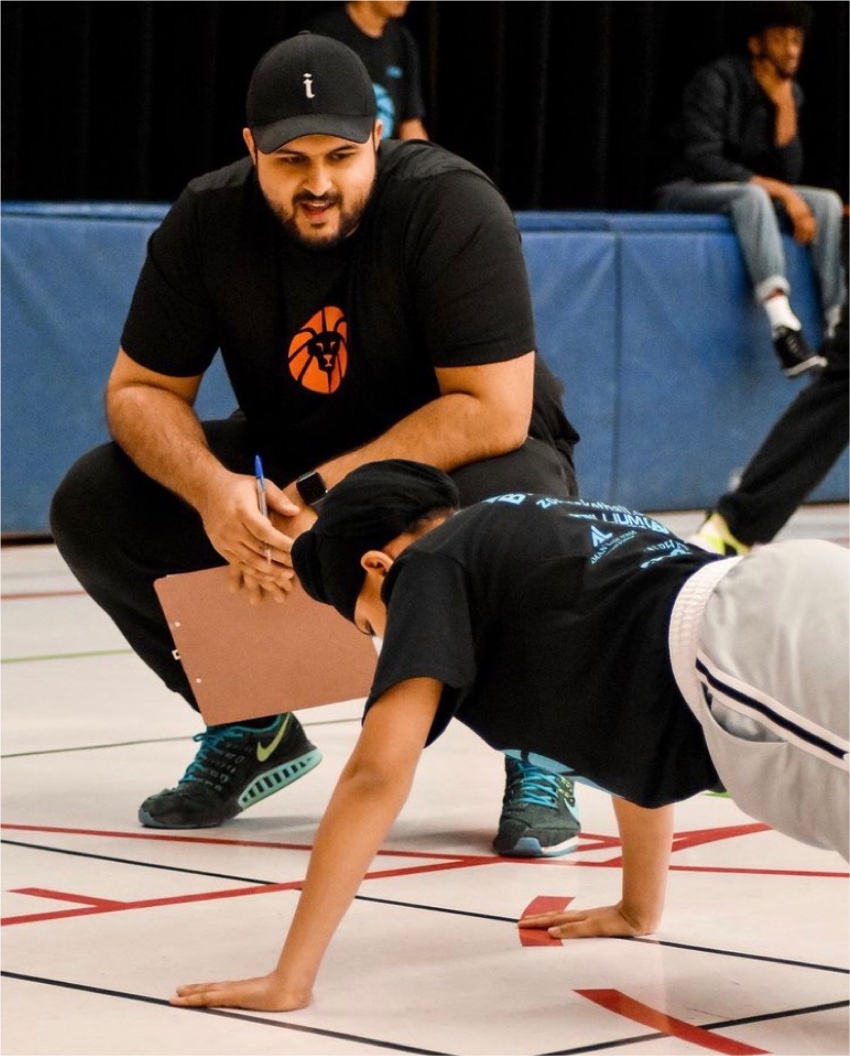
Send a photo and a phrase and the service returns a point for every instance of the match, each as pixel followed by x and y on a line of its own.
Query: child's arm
pixel 646 837
pixel 371 791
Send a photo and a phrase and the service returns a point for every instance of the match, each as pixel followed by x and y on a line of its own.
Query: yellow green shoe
pixel 714 535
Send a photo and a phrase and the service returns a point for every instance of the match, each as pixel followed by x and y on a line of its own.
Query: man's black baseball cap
pixel 309 85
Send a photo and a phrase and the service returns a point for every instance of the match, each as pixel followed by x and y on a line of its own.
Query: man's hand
pixel 805 225
pixel 586 923
pixel 264 994
pixel 277 577
pixel 255 548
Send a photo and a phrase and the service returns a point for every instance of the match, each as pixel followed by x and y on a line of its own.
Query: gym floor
pixel 104 918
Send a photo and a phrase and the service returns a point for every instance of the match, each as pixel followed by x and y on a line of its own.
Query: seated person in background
pixel 736 149
pixel 388 50
pixel 585 637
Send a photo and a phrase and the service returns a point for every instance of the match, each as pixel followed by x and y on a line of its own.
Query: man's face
pixel 317 186
pixel 781 47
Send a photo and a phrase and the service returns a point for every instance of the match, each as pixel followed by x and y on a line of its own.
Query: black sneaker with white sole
pixel 794 354
pixel 236 766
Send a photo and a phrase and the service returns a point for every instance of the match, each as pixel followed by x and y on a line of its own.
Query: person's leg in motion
pixel 539 817
pixel 795 456
pixel 119 531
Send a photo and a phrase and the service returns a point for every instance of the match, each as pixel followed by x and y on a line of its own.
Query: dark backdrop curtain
pixel 561 103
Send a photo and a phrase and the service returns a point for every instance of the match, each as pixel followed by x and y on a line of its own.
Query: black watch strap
pixel 311 487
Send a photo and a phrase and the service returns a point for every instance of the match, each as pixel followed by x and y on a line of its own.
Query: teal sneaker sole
pixel 278 777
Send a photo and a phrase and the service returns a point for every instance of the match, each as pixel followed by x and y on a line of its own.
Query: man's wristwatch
pixel 311 487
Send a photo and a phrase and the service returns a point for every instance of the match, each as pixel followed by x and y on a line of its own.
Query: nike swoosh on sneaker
pixel 265 750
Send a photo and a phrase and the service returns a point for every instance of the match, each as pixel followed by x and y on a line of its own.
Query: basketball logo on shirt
pixel 318 353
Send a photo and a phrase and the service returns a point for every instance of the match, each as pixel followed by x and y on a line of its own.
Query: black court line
pixel 247 1017
pixel 133 861
pixel 623 938
pixel 638 1039
pixel 439 909
pixel 734 953
pixel 635 1039
pixel 94 747
pixel 152 740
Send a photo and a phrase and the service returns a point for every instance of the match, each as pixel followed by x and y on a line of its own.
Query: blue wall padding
pixel 67 282
pixel 669 371
pixel 574 287
pixel 699 383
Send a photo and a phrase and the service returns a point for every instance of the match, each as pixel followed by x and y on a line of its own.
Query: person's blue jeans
pixel 757 226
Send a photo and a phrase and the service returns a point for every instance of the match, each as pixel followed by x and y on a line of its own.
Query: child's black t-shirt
pixel 547 622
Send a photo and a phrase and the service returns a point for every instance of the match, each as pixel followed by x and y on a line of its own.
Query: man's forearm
pixel 449 432
pixel 161 433
pixel 775 188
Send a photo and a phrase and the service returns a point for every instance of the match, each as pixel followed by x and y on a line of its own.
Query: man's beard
pixel 349 220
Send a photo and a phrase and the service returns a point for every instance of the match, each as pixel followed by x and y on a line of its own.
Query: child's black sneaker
pixel 236 766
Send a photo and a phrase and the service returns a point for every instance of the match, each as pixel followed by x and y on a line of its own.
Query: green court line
pixel 65 656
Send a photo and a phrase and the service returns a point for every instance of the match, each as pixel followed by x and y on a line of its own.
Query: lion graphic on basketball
pixel 318 353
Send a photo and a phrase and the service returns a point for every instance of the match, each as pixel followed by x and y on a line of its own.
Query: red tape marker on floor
pixel 542 904
pixel 626 1006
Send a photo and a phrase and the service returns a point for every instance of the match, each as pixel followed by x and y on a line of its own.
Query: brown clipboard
pixel 246 661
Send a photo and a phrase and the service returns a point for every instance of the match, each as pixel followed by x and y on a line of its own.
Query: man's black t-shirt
pixel 326 349
pixel 546 620
pixel 391 59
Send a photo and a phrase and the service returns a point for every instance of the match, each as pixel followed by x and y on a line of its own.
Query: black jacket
pixel 725 130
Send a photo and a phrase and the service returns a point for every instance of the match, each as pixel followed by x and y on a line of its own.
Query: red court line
pixel 542 904
pixel 626 1006
pixel 152 903
pixel 590 842
pixel 683 841
pixel 697 837
pixel 220 841
pixel 44 594
pixel 827 874
pixel 66 896
pixel 95 905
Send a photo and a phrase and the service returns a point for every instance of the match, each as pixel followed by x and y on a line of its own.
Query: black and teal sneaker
pixel 539 816
pixel 236 766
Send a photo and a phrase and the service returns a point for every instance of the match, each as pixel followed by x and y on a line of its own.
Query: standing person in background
pixel 737 149
pixel 370 300
pixel 372 29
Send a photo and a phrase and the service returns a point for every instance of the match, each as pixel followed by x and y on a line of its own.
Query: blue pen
pixel 261 497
